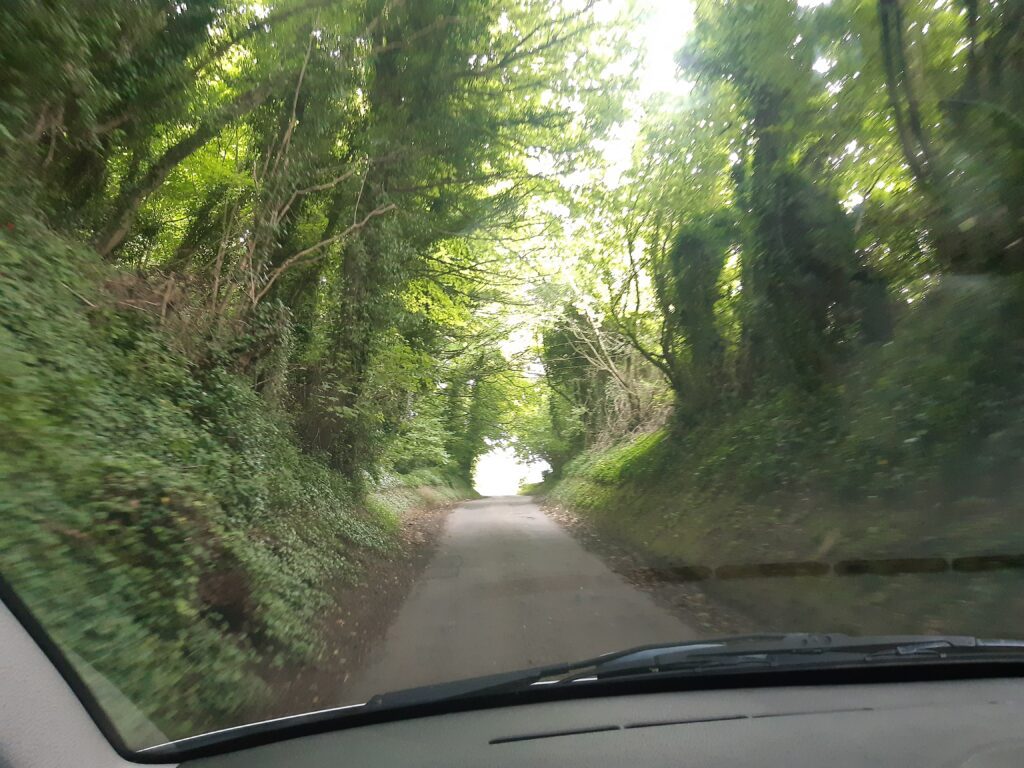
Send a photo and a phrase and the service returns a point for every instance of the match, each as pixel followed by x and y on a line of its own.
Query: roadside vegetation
pixel 795 330
pixel 251 295
pixel 270 271
pixel 154 503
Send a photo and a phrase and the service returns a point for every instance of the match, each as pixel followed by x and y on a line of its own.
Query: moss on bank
pixel 158 516
pixel 918 451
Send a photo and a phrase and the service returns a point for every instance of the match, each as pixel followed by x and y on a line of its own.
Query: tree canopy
pixel 258 259
pixel 824 166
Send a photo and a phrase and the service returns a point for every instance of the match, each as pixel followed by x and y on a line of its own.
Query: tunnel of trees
pixel 260 264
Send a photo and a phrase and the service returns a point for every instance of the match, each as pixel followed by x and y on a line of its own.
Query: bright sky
pixel 661 31
pixel 500 473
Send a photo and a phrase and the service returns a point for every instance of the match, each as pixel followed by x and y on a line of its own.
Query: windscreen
pixel 352 346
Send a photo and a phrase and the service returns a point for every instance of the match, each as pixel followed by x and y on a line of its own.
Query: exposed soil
pixel 684 599
pixel 359 618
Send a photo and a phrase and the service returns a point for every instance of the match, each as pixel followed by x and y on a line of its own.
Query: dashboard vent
pixel 658 723
pixel 555 734
pixel 690 721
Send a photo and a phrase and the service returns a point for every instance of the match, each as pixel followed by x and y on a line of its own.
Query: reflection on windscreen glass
pixel 296 297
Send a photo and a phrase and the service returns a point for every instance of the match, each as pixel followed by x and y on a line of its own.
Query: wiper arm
pixel 811 651
pixel 714 656
pixel 936 648
pixel 514 681
pixel 474 686
pixel 632 661
pixel 945 648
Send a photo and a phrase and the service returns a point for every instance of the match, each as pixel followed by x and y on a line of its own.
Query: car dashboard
pixel 970 723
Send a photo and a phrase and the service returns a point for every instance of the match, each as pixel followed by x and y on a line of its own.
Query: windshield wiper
pixel 734 655
pixel 513 681
pixel 795 651
pixel 737 654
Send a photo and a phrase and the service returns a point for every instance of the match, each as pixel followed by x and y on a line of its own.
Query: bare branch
pixel 518 51
pixel 303 255
pixel 441 22
pixel 314 189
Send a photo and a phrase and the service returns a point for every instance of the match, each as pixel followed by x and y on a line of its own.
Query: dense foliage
pixel 251 289
pixel 152 505
pixel 818 249
pixel 260 265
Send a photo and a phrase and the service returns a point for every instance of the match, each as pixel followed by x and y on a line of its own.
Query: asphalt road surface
pixel 508 588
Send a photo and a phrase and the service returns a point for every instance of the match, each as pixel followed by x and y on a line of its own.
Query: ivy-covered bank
pixel 158 513
pixel 252 293
pixel 916 452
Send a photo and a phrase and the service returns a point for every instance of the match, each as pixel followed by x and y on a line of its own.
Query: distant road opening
pixel 500 473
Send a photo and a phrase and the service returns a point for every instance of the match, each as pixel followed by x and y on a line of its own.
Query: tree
pixel 964 140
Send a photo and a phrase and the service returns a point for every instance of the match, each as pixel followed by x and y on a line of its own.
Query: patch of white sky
pixel 659 29
pixel 499 472
pixel 662 28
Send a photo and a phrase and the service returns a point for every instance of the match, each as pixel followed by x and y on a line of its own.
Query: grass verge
pixel 916 451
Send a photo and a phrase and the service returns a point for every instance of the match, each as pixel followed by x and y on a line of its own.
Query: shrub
pixel 158 517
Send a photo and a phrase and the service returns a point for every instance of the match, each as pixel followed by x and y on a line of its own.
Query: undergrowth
pixel 916 449
pixel 159 517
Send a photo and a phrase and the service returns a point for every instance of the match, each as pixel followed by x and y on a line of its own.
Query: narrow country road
pixel 509 588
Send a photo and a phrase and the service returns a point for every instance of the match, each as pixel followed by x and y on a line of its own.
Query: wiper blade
pixel 474 686
pixel 573 671
pixel 714 656
pixel 808 651
pixel 515 681
pixel 944 648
